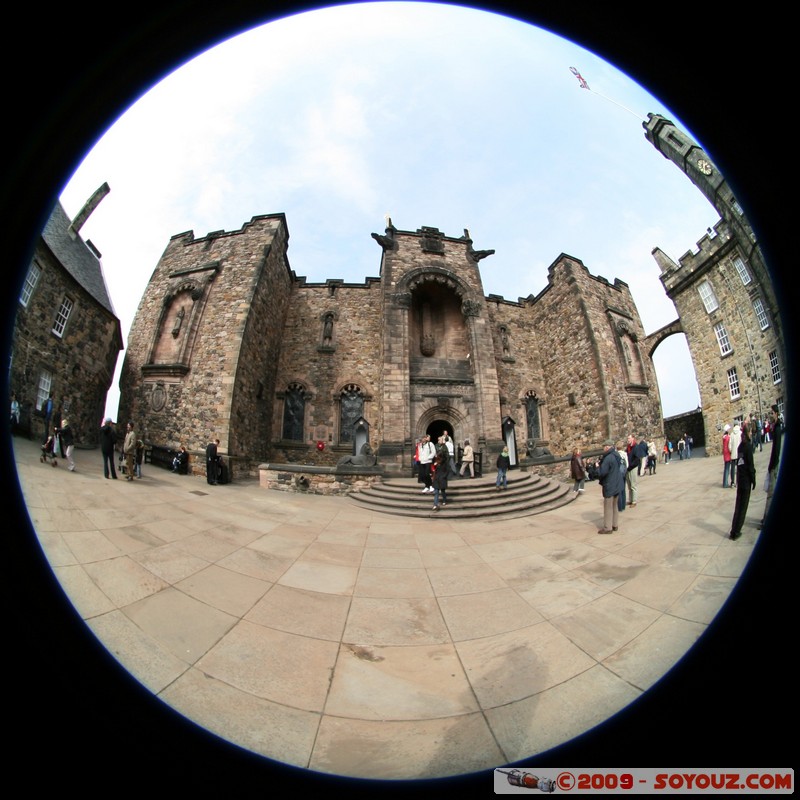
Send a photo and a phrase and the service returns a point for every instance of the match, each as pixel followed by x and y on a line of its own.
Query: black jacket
pixel 108 438
pixel 745 468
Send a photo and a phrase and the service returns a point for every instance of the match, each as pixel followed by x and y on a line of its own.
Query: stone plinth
pixel 318 480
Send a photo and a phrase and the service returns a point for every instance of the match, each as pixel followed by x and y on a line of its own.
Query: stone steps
pixel 468 498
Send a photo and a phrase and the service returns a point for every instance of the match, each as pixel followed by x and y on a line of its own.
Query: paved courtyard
pixel 352 643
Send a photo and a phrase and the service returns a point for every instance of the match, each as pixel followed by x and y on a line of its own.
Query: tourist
pixel 108 441
pixel 129 450
pixel 736 438
pixel 612 482
pixel 746 480
pixel 451 454
pixel 503 464
pixel 636 452
pixel 212 462
pixel 67 443
pixel 14 413
pixel 726 455
pixel 439 473
pixel 577 471
pixel 180 463
pixel 776 426
pixel 467 459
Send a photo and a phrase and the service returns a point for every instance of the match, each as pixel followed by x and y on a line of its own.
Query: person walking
pixel 14 413
pixel 735 440
pixel 439 475
pixel 468 459
pixel 652 458
pixel 612 483
pixel 67 441
pixel 427 452
pixel 503 464
pixel 47 409
pixel 776 425
pixel 726 455
pixel 451 454
pixel 622 454
pixel 108 441
pixel 746 482
pixel 577 471
pixel 129 450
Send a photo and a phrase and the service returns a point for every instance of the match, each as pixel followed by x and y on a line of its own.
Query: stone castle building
pixel 725 300
pixel 66 336
pixel 229 343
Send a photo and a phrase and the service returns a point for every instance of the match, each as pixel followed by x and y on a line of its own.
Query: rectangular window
pixel 708 297
pixel 733 383
pixel 43 389
pixel 761 313
pixel 722 339
pixel 31 279
pixel 741 271
pixel 775 367
pixel 62 316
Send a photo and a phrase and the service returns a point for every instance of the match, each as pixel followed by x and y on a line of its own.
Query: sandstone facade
pixel 228 342
pixel 66 335
pixel 725 300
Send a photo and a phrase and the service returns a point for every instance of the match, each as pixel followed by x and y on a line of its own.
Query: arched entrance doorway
pixel 436 428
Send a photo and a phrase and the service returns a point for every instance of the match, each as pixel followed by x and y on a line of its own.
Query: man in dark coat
pixel 612 482
pixel 212 462
pixel 774 457
pixel 108 438
pixel 745 480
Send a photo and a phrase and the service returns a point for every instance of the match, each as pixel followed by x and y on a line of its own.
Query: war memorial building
pixel 229 343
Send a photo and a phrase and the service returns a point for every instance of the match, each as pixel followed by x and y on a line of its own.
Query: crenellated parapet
pixel 711 249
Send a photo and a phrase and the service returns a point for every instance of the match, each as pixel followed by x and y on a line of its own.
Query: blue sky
pixel 436 115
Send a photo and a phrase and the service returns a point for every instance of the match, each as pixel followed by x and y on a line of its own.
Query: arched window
pixel 294 410
pixel 532 415
pixel 351 409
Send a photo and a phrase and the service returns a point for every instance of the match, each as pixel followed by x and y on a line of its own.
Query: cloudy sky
pixel 436 115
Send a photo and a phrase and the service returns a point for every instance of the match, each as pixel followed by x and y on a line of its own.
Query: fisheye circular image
pixel 399 392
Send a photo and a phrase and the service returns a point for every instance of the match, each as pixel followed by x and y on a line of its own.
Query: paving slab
pixel 322 635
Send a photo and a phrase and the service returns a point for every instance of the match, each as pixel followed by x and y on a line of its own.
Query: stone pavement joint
pixel 356 643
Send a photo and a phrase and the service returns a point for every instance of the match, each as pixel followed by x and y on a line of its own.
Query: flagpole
pixel 584 85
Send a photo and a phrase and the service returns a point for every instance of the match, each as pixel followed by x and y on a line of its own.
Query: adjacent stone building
pixel 725 300
pixel 229 343
pixel 66 336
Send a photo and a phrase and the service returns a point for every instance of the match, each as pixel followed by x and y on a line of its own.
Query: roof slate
pixel 76 256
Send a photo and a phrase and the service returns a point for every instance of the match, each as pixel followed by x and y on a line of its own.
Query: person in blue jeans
pixel 439 480
pixel 503 463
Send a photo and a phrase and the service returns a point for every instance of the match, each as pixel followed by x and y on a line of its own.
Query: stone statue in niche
pixel 327 330
pixel 427 341
pixel 505 341
pixel 176 328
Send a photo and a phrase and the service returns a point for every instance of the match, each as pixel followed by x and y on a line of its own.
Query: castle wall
pixel 228 342
pixel 325 366
pixel 600 382
pixel 750 343
pixel 204 344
